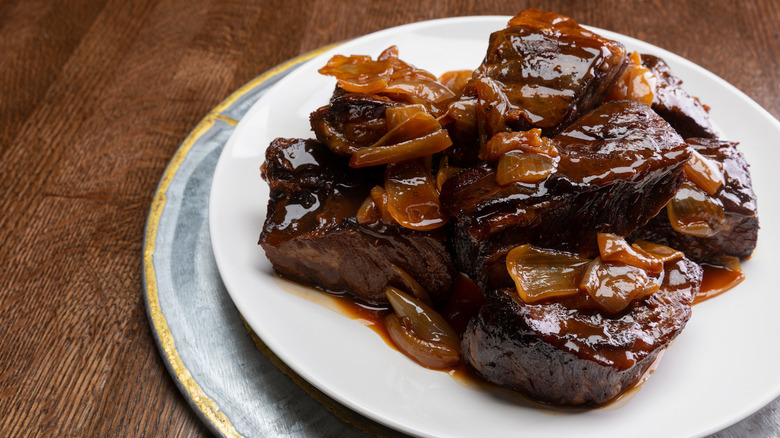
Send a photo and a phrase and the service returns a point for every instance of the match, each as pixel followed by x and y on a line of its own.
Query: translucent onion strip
pixel 357 73
pixel 396 115
pixel 614 248
pixel 703 172
pixel 418 291
pixel 445 172
pixel 420 332
pixel 496 105
pixel 463 114
pixel 663 253
pixel 637 82
pixel 425 322
pixel 614 285
pixel 456 80
pixel 412 198
pixel 368 212
pixel 388 74
pixel 424 90
pixel 418 124
pixel 529 141
pixel 694 212
pixel 407 150
pixel 524 167
pixel 429 354
pixel 540 274
pixel 379 196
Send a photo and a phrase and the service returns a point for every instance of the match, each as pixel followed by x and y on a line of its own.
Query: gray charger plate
pixel 235 384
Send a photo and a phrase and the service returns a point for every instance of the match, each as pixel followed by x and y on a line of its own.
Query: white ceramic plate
pixel 722 368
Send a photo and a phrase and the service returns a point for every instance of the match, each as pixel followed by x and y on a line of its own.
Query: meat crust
pixel 687 115
pixel 740 237
pixel 311 234
pixel 564 355
pixel 543 71
pixel 619 165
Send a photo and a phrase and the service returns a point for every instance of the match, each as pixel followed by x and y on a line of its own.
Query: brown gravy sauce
pixel 716 281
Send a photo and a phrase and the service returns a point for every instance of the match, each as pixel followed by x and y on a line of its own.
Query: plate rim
pixel 610 34
pixel 206 407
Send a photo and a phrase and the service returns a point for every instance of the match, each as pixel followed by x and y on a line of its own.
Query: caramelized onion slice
pixel 703 172
pixel 637 82
pixel 418 291
pixel 425 90
pixel 663 253
pixel 445 172
pixel 456 80
pixel 407 150
pixel 496 105
pixel 614 285
pixel 653 286
pixel 463 113
pixel 388 74
pixel 529 141
pixel 402 69
pixel 412 198
pixel 416 125
pixel 357 73
pixel 379 196
pixel 524 167
pixel 428 354
pixel 541 273
pixel 694 212
pixel 368 213
pixel 396 115
pixel 388 54
pixel 614 248
pixel 421 319
pixel 461 119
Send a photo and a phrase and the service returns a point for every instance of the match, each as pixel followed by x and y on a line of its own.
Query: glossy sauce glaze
pixel 465 303
pixel 542 71
pixel 717 280
pixel 457 312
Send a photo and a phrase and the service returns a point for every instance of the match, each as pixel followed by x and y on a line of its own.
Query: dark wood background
pixel 97 95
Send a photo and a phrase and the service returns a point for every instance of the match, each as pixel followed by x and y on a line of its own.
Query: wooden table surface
pixel 95 98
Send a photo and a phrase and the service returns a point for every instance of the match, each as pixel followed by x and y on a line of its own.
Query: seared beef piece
pixel 543 71
pixel 351 121
pixel 739 203
pixel 618 167
pixel 563 355
pixel 684 112
pixel 311 235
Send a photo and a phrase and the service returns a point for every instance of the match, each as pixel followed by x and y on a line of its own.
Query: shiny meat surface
pixel 311 234
pixel 351 121
pixel 739 202
pixel 543 71
pixel 561 354
pixel 687 115
pixel 618 167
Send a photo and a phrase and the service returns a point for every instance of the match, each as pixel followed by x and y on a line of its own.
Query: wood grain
pixel 96 96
